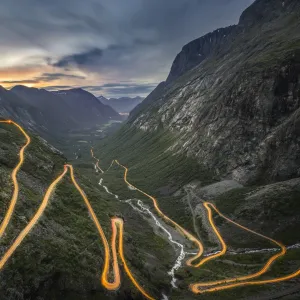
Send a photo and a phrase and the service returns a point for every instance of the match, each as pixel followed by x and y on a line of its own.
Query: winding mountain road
pixel 111 251
pixel 14 174
pixel 219 285
pixel 117 225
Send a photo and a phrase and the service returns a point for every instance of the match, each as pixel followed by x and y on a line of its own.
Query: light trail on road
pixel 32 222
pixel 224 246
pixel 144 210
pixel 222 284
pixel 190 261
pixel 117 228
pixel 247 283
pixel 14 174
pixel 177 226
pixel 116 223
pixel 97 167
pixel 104 278
pixel 196 288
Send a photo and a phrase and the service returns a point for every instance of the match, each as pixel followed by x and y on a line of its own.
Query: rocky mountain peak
pixel 78 91
pixel 21 88
pixel 102 98
pixel 193 53
pixel 262 11
pixel 236 108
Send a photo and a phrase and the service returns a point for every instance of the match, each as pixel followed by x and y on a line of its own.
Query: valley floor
pixel 211 241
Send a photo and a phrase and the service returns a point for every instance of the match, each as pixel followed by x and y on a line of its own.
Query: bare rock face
pixel 210 192
pixel 262 11
pixel 197 51
pixel 237 111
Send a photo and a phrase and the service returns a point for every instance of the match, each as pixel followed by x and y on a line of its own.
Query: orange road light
pixel 14 174
pixel 196 287
pixel 116 223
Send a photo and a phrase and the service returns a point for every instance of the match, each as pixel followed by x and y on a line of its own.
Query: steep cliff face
pixel 262 11
pixel 198 50
pixel 237 111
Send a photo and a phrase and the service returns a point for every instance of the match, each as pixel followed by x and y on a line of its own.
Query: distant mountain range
pixel 123 104
pixel 86 107
pixel 51 113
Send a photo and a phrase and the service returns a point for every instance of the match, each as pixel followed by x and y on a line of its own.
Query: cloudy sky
pixel 109 47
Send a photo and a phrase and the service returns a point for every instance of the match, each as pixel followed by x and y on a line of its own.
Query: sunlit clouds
pixel 102 44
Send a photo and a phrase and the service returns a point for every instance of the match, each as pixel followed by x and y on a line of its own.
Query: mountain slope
pixel 237 112
pixel 13 106
pixel 54 115
pixel 85 107
pixel 198 50
pixel 29 115
pixel 51 107
pixel 231 119
pixel 62 257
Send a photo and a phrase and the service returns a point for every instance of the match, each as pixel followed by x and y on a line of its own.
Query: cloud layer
pixel 97 42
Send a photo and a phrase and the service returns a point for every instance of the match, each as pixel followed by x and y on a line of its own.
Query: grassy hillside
pixel 151 165
pixel 62 257
pixel 272 210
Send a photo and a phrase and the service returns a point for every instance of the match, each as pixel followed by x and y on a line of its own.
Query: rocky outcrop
pixel 237 112
pixel 198 50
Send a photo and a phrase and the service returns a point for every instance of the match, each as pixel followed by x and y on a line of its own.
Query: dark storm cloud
pixel 121 89
pixel 119 40
pixel 54 76
pixel 19 81
pixel 45 77
pixel 56 87
pixel 80 59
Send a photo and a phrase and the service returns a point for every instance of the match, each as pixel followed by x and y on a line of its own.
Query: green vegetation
pixel 152 168
pixel 151 165
pixel 158 171
pixel 63 255
pixel 273 207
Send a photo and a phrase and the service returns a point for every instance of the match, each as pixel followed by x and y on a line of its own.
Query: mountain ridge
pixel 53 114
pixel 250 84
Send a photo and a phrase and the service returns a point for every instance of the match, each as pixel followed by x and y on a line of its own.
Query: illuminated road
pixel 33 221
pixel 224 246
pixel 196 287
pixel 104 278
pixel 219 285
pixel 116 248
pixel 177 226
pixel 14 174
pixel 97 167
pixel 144 210
pixel 182 230
pixel 117 223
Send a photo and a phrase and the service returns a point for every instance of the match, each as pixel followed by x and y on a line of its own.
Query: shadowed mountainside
pixel 237 111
